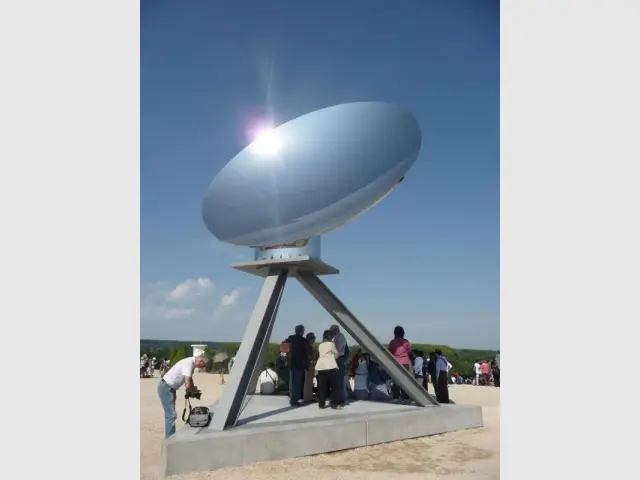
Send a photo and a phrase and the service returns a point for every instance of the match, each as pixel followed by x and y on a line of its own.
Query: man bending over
pixel 180 374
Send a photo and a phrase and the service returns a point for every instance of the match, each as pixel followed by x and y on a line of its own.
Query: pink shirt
pixel 484 368
pixel 401 349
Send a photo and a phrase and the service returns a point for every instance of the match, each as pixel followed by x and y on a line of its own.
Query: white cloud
pixel 231 298
pixel 161 301
pixel 189 289
pixel 189 305
pixel 228 303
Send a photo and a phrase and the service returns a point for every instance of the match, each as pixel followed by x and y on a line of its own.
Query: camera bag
pixel 197 417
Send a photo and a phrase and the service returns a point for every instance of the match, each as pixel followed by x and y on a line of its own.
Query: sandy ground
pixel 470 454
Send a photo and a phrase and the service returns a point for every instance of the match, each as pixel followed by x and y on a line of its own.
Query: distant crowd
pixel 149 365
pixel 487 374
pixel 320 374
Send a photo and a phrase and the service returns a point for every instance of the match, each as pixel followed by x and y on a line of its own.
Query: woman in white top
pixel 327 368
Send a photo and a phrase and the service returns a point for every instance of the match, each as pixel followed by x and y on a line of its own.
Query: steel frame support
pixel 248 360
pixel 250 357
pixel 348 321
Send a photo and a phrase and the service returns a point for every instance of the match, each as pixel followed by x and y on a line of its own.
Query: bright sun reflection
pixel 267 142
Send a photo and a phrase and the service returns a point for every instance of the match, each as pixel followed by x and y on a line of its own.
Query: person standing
pixel 143 366
pixel 495 370
pixel 328 372
pixel 400 348
pixel 419 368
pixel 309 373
pixel 431 369
pixel 340 342
pixel 476 372
pixel 299 352
pixel 180 374
pixel 442 378
pixel 484 370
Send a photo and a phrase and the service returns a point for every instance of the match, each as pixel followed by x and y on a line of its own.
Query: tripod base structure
pixel 250 357
pixel 247 428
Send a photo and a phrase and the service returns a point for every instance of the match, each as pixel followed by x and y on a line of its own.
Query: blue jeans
pixel 168 400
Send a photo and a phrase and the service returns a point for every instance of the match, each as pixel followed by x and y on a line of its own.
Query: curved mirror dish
pixel 312 174
pixel 366 209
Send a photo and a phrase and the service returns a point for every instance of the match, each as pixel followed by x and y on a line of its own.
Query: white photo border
pixel 569 237
pixel 70 187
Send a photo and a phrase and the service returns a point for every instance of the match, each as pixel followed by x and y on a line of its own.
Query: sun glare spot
pixel 267 142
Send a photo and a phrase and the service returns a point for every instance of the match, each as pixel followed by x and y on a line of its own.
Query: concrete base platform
pixel 269 429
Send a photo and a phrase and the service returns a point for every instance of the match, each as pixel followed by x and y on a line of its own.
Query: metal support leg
pixel 332 304
pixel 257 370
pixel 251 350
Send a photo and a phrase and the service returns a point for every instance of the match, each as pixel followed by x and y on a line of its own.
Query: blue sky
pixel 426 258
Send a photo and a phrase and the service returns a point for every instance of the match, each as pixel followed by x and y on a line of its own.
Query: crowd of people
pixel 486 374
pixel 323 371
pixel 482 374
pixel 149 365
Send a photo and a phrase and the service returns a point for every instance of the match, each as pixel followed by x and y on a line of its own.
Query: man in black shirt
pixel 299 354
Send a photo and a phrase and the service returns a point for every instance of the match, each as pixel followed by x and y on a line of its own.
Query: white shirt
pixel 175 376
pixel 267 381
pixel 476 368
pixel 327 354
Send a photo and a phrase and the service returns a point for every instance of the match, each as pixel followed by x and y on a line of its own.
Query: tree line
pixel 461 359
